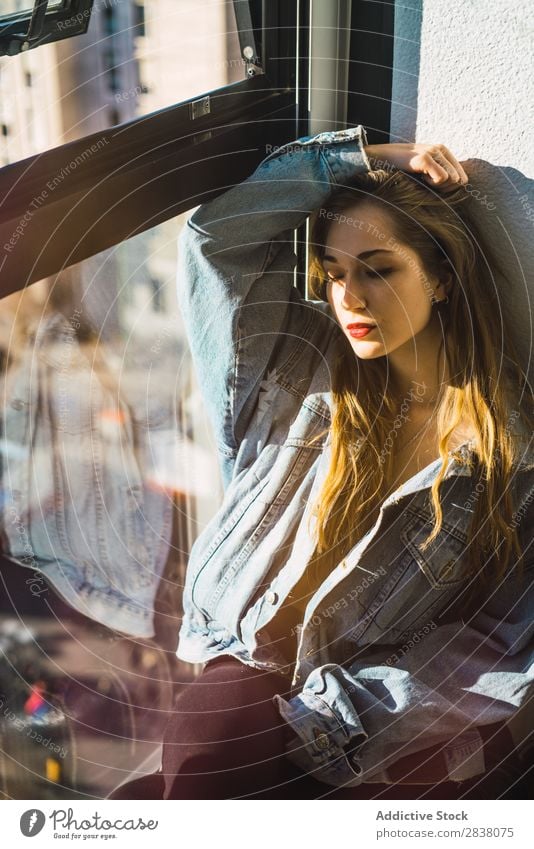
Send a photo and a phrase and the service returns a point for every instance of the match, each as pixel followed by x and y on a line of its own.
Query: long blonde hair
pixel 487 387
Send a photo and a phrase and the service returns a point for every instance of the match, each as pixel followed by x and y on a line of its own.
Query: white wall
pixel 463 76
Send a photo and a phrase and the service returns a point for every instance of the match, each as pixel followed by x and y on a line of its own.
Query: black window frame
pixel 39 25
pixel 131 177
pixel 370 80
pixel 115 184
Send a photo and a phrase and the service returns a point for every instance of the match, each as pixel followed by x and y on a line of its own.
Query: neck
pixel 418 368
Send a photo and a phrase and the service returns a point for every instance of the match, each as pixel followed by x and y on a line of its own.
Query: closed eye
pixel 378 272
pixel 372 273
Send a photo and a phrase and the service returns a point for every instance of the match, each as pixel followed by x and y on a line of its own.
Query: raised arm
pixel 235 273
pixel 236 263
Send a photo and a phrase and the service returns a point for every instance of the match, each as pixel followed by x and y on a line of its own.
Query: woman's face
pixel 375 280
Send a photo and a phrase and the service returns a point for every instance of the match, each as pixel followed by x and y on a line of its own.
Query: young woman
pixel 363 599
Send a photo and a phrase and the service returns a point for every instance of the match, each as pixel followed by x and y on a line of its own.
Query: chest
pixel 407 458
pixel 404 464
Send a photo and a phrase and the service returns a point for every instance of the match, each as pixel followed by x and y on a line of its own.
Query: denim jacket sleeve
pixel 235 273
pixel 352 723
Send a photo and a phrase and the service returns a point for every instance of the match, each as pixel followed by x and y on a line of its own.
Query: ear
pixel 445 280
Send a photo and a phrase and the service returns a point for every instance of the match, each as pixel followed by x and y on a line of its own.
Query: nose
pixel 353 294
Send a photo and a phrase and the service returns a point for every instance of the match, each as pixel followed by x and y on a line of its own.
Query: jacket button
pixel 322 740
pixel 271 597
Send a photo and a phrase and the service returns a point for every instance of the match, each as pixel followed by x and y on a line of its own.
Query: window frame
pixel 31 28
pixel 370 76
pixel 71 202
pixel 135 175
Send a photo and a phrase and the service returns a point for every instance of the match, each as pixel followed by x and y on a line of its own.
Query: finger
pixel 434 171
pixel 442 160
pixel 451 159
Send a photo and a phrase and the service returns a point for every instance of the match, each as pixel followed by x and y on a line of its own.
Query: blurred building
pixel 135 58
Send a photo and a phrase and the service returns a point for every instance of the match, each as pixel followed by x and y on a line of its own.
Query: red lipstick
pixel 359 329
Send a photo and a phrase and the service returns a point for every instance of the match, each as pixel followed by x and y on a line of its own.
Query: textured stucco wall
pixel 463 76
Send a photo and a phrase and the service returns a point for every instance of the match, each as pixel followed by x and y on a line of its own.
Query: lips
pixel 360 329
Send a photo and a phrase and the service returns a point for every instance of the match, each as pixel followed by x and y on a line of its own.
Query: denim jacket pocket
pixel 441 562
pixel 418 585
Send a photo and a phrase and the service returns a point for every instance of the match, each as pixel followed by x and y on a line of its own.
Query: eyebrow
pixel 363 255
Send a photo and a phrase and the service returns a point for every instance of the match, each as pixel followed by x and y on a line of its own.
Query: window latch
pixel 247 39
pixel 21 42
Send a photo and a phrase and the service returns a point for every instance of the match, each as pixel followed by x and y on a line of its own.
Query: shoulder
pixel 323 313
pixel 328 323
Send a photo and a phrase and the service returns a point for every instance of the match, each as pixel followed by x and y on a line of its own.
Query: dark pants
pixel 225 740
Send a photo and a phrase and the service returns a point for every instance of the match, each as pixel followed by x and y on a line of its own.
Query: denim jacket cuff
pixel 343 150
pixel 325 737
pixel 344 157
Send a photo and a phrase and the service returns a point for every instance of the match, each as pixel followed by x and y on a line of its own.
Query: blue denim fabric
pixel 384 666
pixel 81 503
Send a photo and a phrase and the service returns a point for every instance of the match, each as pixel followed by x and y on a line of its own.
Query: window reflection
pixel 108 468
pixel 7 7
pixel 103 428
pixel 108 472
pixel 135 58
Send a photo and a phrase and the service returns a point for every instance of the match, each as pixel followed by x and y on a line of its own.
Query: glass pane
pixel 108 467
pixel 108 472
pixel 136 57
pixel 7 7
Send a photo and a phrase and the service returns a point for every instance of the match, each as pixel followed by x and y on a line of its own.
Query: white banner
pixel 358 824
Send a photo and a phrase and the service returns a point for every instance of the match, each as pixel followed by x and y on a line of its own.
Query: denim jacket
pixel 384 668
pixel 83 509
